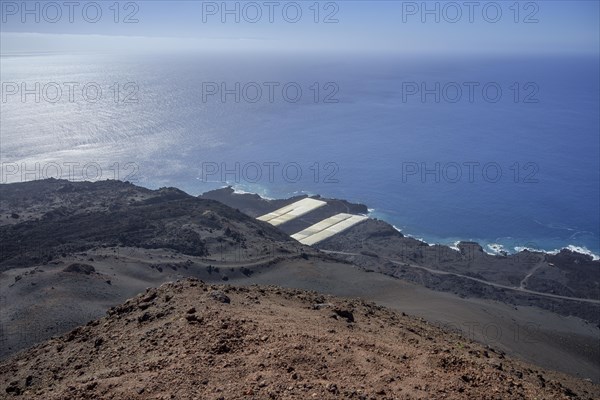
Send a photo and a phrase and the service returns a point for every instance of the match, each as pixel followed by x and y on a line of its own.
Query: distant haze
pixel 361 26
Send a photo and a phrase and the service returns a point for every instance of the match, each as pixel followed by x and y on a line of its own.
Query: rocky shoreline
pixel 557 282
pixel 71 250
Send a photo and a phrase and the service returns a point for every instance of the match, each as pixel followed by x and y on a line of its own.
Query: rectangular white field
pixel 327 228
pixel 292 211
pixel 320 226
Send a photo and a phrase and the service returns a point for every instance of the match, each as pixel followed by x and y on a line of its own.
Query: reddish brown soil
pixel 190 340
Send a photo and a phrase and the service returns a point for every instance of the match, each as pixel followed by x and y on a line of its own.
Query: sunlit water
pixel 360 136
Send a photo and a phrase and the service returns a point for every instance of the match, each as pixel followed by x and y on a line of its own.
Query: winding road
pixel 520 288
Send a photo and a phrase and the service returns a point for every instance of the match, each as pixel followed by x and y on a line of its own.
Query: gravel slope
pixel 191 340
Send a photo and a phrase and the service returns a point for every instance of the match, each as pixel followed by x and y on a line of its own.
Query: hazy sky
pixel 388 26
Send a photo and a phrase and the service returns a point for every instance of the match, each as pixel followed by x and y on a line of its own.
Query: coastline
pixel 492 247
pixel 135 238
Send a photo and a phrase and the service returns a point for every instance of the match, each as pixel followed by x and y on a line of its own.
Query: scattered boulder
pixel 220 296
pixel 191 318
pixel 348 315
pixel 144 317
pixel 14 389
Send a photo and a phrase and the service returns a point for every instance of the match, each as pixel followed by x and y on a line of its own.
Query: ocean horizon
pixel 498 150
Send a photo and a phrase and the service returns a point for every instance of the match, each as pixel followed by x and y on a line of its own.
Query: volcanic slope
pixel 188 339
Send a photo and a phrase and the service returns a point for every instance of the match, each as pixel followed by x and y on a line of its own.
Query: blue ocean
pixel 501 150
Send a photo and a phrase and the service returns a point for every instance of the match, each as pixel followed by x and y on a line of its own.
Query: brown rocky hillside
pixel 190 340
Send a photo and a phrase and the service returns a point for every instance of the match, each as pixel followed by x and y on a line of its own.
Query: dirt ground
pixel 191 340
